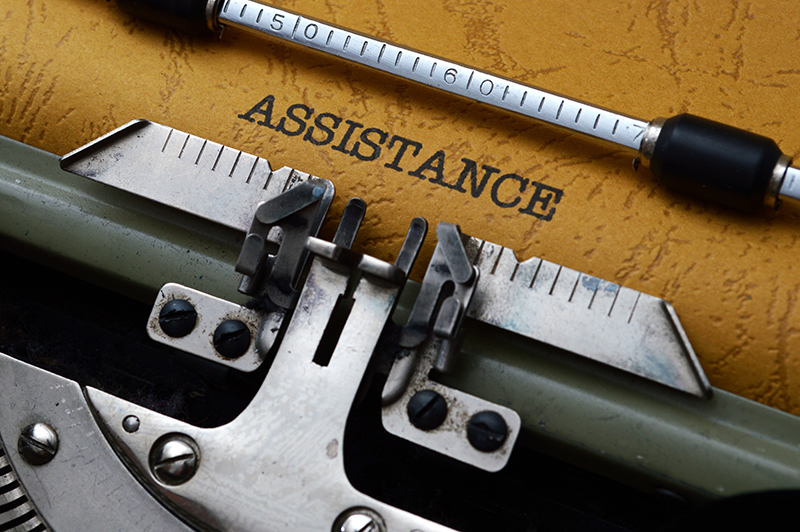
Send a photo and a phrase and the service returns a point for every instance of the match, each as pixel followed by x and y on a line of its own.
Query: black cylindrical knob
pixel 713 161
pixel 183 15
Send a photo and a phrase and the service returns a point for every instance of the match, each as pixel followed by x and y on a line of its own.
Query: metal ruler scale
pixel 436 72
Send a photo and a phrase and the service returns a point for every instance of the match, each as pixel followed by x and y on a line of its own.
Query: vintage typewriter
pixel 192 338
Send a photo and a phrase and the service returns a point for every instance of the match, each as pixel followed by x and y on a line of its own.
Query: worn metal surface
pixel 211 311
pixel 603 321
pixel 725 445
pixel 279 465
pixel 450 438
pixel 85 486
pixel 169 166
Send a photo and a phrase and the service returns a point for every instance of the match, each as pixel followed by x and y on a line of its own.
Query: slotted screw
pixel 361 520
pixel 427 410
pixel 38 443
pixel 487 431
pixel 174 459
pixel 232 339
pixel 177 318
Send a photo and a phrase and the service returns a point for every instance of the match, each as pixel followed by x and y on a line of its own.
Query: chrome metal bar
pixel 435 72
pixel 790 188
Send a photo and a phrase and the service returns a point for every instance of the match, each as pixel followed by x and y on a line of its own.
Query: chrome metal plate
pixel 279 465
pixel 85 486
pixel 211 312
pixel 588 316
pixel 449 439
pixel 170 167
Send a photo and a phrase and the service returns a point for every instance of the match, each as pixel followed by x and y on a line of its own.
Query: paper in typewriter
pixel 72 70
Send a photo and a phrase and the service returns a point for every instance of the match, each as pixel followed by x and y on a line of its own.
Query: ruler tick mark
pixel 169 135
pixel 216 161
pixel 634 306
pixel 233 168
pixel 416 62
pixel 578 116
pixel 380 54
pixel 258 18
pixel 514 273
pixel 522 101
pixel 536 273
pixel 328 41
pixel 364 48
pixel 560 107
pixel 433 67
pixel 290 180
pixel 478 254
pixel 541 104
pixel 346 43
pixel 574 288
pixel 252 170
pixel 397 61
pixel 558 273
pixel 185 142
pixel 614 131
pixel 594 294
pixel 596 120
pixel 505 92
pixel 296 24
pixel 203 147
pixel 616 295
pixel 225 9
pixel 244 8
pixel 469 81
pixel 497 261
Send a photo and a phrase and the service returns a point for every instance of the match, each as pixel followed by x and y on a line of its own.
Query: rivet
pixel 130 424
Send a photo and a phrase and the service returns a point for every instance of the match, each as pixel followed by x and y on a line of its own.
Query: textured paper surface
pixel 71 70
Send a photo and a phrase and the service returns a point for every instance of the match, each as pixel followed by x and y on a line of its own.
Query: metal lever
pixel 298 213
pixel 340 257
pixel 444 298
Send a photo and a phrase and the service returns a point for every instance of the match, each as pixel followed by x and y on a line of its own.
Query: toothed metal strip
pixel 17 513
pixel 585 315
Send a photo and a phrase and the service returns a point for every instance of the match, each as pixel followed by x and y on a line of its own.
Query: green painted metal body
pixel 613 424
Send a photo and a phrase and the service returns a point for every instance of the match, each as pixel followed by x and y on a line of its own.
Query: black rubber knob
pixel 188 16
pixel 713 161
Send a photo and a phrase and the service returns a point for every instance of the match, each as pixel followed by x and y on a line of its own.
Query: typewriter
pixel 194 338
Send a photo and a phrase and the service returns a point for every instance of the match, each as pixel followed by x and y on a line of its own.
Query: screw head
pixel 177 318
pixel 130 424
pixel 38 443
pixel 359 520
pixel 232 339
pixel 487 431
pixel 427 410
pixel 174 459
